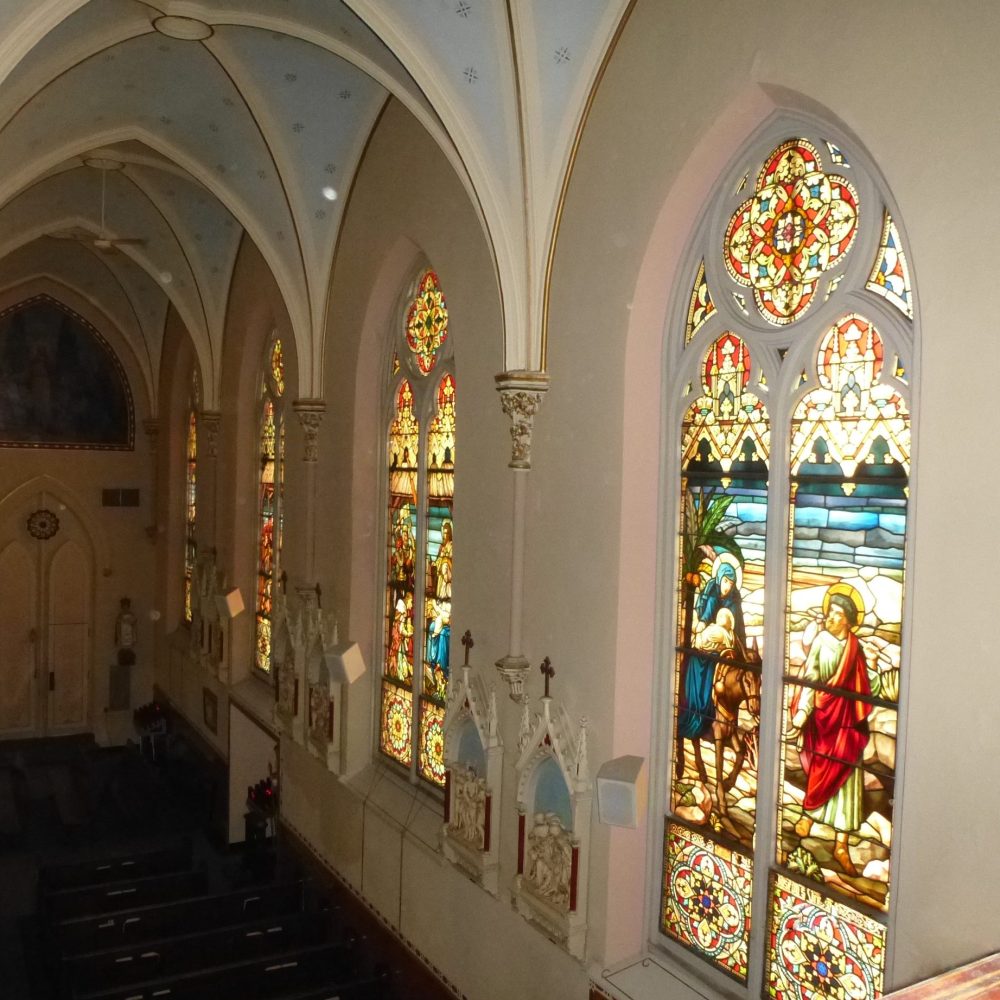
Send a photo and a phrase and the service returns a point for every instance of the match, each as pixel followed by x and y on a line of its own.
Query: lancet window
pixel 792 358
pixel 270 492
pixel 419 532
pixel 191 498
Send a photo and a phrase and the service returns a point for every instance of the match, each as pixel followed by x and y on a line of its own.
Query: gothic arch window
pixel 270 493
pixel 792 361
pixel 420 489
pixel 191 495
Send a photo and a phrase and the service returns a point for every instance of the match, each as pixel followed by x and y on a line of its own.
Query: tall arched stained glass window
pixel 791 357
pixel 420 530
pixel 271 481
pixel 191 498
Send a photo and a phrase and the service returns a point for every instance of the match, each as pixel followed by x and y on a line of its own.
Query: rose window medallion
pixel 799 223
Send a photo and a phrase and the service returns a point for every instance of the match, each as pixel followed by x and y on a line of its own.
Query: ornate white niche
pixel 288 656
pixel 554 808
pixel 473 752
pixel 209 621
pixel 322 724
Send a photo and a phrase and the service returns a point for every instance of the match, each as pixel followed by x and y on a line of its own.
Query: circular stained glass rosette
pixel 432 749
pixel 821 956
pixel 396 724
pixel 707 908
pixel 427 322
pixel 799 223
pixel 42 524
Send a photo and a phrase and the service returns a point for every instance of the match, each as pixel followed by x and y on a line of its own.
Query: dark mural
pixel 61 385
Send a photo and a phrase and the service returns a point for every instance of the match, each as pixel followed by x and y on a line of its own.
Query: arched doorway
pixel 46 617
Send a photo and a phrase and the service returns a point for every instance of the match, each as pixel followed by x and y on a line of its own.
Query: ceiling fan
pixel 102 242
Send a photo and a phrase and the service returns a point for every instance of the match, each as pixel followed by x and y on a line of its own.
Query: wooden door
pixel 46 611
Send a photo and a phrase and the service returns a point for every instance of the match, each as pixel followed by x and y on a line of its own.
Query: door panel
pixel 69 638
pixel 19 627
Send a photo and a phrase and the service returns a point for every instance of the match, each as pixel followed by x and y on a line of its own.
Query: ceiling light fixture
pixel 185 29
pixel 330 194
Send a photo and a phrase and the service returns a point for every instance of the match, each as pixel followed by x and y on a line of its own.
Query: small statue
pixel 126 628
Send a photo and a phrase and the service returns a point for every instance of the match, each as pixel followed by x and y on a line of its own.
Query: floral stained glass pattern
pixel 278 368
pixel 890 276
pixel 707 892
pixel 799 223
pixel 701 306
pixel 850 465
pixel 427 322
pixel 432 741
pixel 818 948
pixel 720 624
pixel 190 513
pixel 396 737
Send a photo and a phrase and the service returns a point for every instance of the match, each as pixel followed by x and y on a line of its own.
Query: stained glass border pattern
pixel 819 948
pixel 707 892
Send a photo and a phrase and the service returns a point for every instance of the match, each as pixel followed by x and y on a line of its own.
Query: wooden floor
pixel 67 800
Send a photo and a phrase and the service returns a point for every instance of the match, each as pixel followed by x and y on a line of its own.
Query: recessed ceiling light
pixel 186 29
pixel 330 194
pixel 102 163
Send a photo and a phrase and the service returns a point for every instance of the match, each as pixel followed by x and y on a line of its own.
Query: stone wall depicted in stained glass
pixel 818 948
pixel 720 626
pixel 850 465
pixel 706 898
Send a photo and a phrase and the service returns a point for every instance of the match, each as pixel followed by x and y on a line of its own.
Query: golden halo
pixel 728 557
pixel 849 592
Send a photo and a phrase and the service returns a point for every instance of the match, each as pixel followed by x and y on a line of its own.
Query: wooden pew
pixel 107 897
pixel 146 923
pixel 189 952
pixel 161 861
pixel 268 978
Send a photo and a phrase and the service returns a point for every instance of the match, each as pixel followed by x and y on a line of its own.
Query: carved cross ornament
pixel 468 642
pixel 548 672
pixel 310 413
pixel 521 395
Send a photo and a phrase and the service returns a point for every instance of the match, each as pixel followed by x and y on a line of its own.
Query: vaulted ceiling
pixel 140 142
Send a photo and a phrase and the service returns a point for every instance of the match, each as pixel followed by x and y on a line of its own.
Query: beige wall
pixel 687 85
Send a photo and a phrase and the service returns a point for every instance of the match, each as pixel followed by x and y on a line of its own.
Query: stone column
pixel 310 413
pixel 152 428
pixel 521 395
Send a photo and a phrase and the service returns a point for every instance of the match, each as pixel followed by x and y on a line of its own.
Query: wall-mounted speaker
pixel 621 791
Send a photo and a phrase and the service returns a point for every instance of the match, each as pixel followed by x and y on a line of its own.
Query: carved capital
pixel 521 395
pixel 513 670
pixel 310 413
pixel 209 422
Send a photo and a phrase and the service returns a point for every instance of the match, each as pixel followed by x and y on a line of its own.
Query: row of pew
pixel 147 927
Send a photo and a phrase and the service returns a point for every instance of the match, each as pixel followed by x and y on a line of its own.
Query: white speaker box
pixel 621 791
pixel 345 662
pixel 231 604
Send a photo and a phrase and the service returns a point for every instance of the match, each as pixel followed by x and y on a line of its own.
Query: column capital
pixel 310 413
pixel 209 422
pixel 521 394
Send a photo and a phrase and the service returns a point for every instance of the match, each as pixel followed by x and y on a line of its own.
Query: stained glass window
pixel 890 276
pixel 701 304
pixel 420 531
pixel 271 481
pixel 828 646
pixel 427 322
pixel 190 512
pixel 799 223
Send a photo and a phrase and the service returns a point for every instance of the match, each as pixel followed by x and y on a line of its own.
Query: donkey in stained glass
pixel 736 683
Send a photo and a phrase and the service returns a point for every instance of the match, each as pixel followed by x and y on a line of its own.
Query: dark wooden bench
pixel 174 858
pixel 189 952
pixel 93 900
pixel 147 923
pixel 268 978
